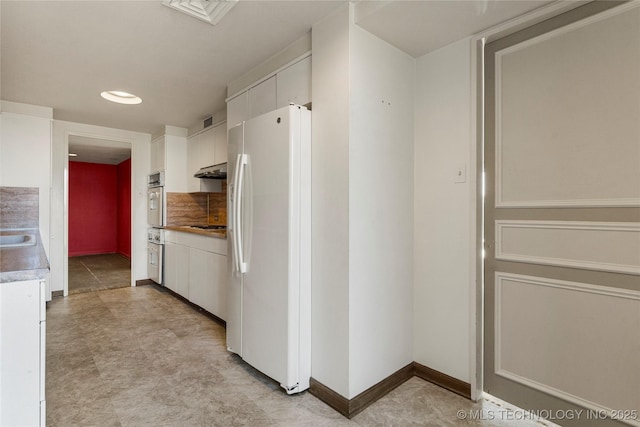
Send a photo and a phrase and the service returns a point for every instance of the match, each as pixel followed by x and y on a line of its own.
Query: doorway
pixel 562 217
pixel 99 214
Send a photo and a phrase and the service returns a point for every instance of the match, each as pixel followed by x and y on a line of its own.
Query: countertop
pixel 219 234
pixel 23 263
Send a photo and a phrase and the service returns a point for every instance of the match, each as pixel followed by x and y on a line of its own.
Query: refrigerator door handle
pixel 242 265
pixel 233 195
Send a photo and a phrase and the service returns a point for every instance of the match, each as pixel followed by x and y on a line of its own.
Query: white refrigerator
pixel 269 242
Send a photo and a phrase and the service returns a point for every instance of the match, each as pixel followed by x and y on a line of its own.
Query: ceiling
pixel 96 150
pixel 419 27
pixel 62 54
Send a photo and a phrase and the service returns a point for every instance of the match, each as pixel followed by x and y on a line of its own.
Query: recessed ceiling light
pixel 121 97
pixel 73 155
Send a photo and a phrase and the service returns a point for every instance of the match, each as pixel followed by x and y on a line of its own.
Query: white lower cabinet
pixel 22 353
pixel 195 268
pixel 176 268
pixel 207 272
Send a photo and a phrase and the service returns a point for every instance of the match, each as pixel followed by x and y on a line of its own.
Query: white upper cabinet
pixel 238 109
pixel 220 148
pixel 169 153
pixel 289 85
pixel 293 84
pixel 200 153
pixel 262 97
pixel 206 148
pixel 157 154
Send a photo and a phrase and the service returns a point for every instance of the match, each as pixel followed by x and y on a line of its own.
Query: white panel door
pixel 562 217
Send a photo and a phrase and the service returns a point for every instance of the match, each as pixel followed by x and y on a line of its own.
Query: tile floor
pixel 89 273
pixel 140 357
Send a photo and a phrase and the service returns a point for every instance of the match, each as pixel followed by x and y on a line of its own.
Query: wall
pixel 380 210
pixel 25 155
pixel 140 164
pixel 362 219
pixel 443 211
pixel 99 208
pixel 330 203
pixel 124 208
pixel 93 208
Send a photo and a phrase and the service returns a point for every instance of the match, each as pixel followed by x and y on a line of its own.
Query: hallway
pixel 89 273
pixel 140 357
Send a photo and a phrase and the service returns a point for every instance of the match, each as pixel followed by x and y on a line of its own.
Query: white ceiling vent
pixel 211 11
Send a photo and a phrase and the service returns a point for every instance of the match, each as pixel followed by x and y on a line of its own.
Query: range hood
pixel 213 172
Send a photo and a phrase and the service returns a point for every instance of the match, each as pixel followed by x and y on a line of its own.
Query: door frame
pixel 476 259
pixel 140 152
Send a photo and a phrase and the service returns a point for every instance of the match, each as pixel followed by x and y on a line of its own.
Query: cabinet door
pixel 171 266
pixel 175 163
pixel 176 273
pixel 182 270
pixel 193 150
pixel 238 110
pixel 157 154
pixel 198 281
pixel 207 281
pixel 294 84
pixel 207 148
pixel 20 352
pixel 220 148
pixel 218 276
pixel 262 98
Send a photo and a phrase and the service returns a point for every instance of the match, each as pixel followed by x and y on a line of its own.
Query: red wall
pixel 124 208
pixel 99 215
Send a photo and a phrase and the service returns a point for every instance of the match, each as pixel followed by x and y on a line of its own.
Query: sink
pixel 17 240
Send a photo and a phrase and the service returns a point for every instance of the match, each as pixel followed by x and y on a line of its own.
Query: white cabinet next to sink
pixel 22 353
pixel 195 268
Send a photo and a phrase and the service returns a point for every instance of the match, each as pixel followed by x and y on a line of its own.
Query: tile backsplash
pixel 19 207
pixel 197 208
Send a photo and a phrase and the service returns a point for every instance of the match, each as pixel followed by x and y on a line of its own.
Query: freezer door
pixel 271 224
pixel 234 292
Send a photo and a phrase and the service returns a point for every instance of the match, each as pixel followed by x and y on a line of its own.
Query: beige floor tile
pixel 141 357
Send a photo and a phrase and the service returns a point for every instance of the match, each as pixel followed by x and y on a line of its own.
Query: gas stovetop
pixel 209 227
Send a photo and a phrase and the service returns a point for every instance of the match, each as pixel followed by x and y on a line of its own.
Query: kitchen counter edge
pixel 25 263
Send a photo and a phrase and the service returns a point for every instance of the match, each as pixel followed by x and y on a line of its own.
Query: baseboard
pixel 375 392
pixel 443 380
pixel 351 407
pixel 330 397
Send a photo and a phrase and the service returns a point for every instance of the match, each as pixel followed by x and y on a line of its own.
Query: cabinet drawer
pixel 197 241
